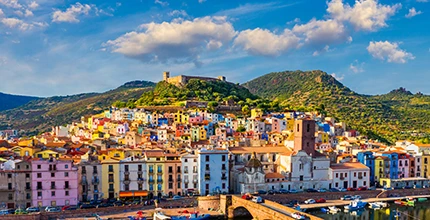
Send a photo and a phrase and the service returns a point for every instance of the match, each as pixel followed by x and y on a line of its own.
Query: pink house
pixel 54 182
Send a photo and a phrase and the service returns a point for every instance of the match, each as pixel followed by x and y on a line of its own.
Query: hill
pixel 39 115
pixel 8 101
pixel 317 90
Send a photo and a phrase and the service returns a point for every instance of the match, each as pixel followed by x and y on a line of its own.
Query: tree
pixel 241 129
pixel 245 109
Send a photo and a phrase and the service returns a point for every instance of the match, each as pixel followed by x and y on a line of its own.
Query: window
pixel 170 185
pixel 223 157
pixel 170 169
pixel 52 174
pixel 355 174
pixel 39 194
pixel 186 185
pixel 364 183
pixel 66 193
pixel 207 167
pixel 186 160
pixel 28 196
pixel 9 186
pixel 337 175
pixel 207 158
pixel 364 173
pixel 127 187
pixel 39 167
pixel 18 167
pixel 110 168
pixel 308 127
pixel 126 168
pixel 346 175
pixel 223 186
pixel 66 166
pixel 27 175
pixel 66 174
pixel 52 193
pixel 10 196
pixel 223 167
pixel 298 128
pixel 179 185
pixel 9 175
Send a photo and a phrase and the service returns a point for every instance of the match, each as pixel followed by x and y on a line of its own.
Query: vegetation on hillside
pixel 8 101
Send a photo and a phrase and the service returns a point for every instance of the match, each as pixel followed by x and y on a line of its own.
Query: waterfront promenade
pixel 339 202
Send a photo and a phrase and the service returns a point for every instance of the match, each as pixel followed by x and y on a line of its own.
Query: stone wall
pixel 209 202
pixel 301 197
pixel 290 210
pixel 257 211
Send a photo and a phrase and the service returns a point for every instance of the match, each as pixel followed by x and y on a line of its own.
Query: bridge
pixel 235 206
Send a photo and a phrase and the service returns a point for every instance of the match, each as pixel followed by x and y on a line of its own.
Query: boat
pixel 192 216
pixel 159 215
pixel 333 209
pixel 355 205
pixel 378 205
pixel 325 210
pixel 408 202
pixel 297 215
pixel 422 199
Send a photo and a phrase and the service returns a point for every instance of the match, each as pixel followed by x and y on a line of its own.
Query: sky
pixel 60 47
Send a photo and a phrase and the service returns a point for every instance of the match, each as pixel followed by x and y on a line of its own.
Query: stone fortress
pixel 182 80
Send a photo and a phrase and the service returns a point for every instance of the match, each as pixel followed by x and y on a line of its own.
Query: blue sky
pixel 50 47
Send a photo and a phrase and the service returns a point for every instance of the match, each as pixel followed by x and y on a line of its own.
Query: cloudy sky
pixel 60 47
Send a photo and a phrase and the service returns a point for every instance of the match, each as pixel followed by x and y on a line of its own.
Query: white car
pixel 298 216
pixel 257 199
pixel 310 201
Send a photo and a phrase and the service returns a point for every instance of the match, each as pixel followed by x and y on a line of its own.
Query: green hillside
pixel 8 101
pixel 39 115
pixel 378 117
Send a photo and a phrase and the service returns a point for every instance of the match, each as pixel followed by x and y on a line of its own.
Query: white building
pixel 213 167
pixel 132 171
pixel 251 177
pixel 190 176
pixel 349 175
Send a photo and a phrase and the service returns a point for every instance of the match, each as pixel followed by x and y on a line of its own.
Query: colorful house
pixel 110 178
pixel 394 163
pixel 367 158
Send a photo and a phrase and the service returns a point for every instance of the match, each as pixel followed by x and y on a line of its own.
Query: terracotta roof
pixel 274 175
pixel 240 150
pixel 348 165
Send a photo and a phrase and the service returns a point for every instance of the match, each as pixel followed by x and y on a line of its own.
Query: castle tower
pixel 304 136
pixel 166 76
pixel 222 78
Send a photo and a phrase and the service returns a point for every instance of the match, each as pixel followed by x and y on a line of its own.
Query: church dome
pixel 253 162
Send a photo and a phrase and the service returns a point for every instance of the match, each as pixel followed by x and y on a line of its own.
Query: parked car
pixel 20 212
pixel 104 205
pixel 372 188
pixel 351 189
pixel 4 212
pixel 322 190
pixel 53 209
pixel 257 199
pixel 294 191
pixel 118 203
pixel 311 190
pixel 177 197
pixel 271 192
pixel 32 209
pixel 49 207
pixel 362 188
pixel 69 208
pixel 246 196
pixel 356 197
pixel 333 190
pixel 347 197
pixel 342 190
pixel 262 192
pixel 408 187
pixel 88 206
pixel 321 200
pixel 283 191
pixel 310 201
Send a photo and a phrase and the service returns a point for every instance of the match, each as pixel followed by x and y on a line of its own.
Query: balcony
pixel 171 180
pixel 111 190
pixel 151 180
pixel 207 177
pixel 160 181
pixel 185 171
pixel 159 171
pixel 151 171
pixel 127 182
pixel 195 180
pixel 140 172
pixel 95 172
pixel 140 181
pixel 84 182
pixel 223 178
pixel 194 171
pixel 84 171
pixel 110 180
pixel 95 181
pixel 185 180
pixel 126 172
pixel 27 188
pixel 342 178
pixel 360 177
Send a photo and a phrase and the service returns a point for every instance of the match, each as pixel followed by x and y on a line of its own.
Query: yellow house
pixel 155 160
pixel 116 153
pixel 256 113
pixel 25 151
pixel 290 124
pixel 110 180
pixel 203 133
pixel 46 154
pixel 27 143
pixel 4 149
pixel 181 117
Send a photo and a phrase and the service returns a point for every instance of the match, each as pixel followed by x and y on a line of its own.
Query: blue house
pixel 265 136
pixel 394 166
pixel 209 129
pixel 367 158
pixel 163 121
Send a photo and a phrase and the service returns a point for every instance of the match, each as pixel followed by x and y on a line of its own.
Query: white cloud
pixel 251 8
pixel 177 13
pixel 390 52
pixel 296 20
pixel 19 13
pixel 366 15
pixel 33 5
pixel 161 3
pixel 338 77
pixel 10 3
pixel 356 67
pixel 322 32
pixel 1 13
pixel 71 14
pixel 323 50
pixel 201 1
pixel 28 13
pixel 16 23
pixel 176 41
pixel 266 43
pixel 413 13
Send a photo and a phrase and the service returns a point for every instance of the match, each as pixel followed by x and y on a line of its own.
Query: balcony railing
pixel 224 178
pixel 110 180
pixel 195 180
pixel 207 177
pixel 140 172
pixel 151 180
pixel 151 171
pixel 159 171
pixel 194 171
pixel 126 182
pixel 185 180
pixel 185 171
pixel 95 181
pixel 159 181
pixel 342 178
pixel 111 190
pixel 95 172
pixel 126 172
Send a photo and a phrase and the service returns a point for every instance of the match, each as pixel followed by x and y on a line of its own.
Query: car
pixel 294 191
pixel 87 206
pixel 311 190
pixel 362 188
pixel 283 191
pixel 246 196
pixel 104 205
pixel 294 202
pixel 4 212
pixel 347 197
pixel 257 199
pixel 48 207
pixel 69 208
pixel 310 201
pixel 271 192
pixel 262 192
pixel 356 197
pixel 342 190
pixel 351 189
pixel 408 187
pixel 322 190
pixel 176 197
pixel 321 200
pixel 372 188
pixel 32 209
pixel 118 203
pixel 20 212
pixel 53 209
pixel 333 190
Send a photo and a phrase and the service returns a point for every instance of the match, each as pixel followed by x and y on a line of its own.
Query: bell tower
pixel 166 76
pixel 304 136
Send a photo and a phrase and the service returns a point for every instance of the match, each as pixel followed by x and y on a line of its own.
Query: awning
pixel 133 193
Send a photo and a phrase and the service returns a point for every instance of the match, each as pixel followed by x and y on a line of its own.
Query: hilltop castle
pixel 182 80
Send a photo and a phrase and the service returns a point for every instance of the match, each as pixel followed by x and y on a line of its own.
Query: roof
pixel 348 165
pixel 274 175
pixel 241 150
pixel 254 162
